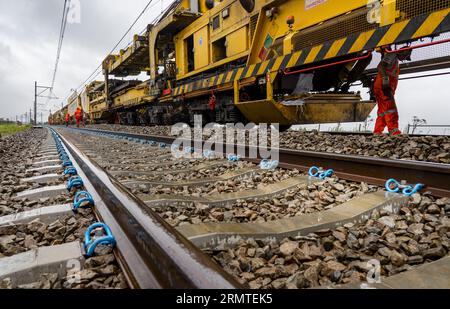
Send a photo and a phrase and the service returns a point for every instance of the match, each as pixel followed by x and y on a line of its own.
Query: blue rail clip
pixel 82 199
pixel 91 244
pixel 320 173
pixel 394 186
pixel 73 182
pixel 208 154
pixel 233 158
pixel 67 163
pixel 72 171
pixel 269 164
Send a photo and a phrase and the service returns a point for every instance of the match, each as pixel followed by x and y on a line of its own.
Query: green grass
pixel 11 128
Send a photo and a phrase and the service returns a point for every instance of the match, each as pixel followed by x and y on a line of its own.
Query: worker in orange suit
pixel 79 116
pixel 385 87
pixel 67 119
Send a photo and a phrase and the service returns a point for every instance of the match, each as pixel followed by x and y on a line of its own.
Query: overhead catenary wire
pixel 62 31
pixel 98 70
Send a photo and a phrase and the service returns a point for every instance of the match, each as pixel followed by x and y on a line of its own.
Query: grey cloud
pixel 29 32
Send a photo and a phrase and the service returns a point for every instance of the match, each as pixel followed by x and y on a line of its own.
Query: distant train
pixel 262 61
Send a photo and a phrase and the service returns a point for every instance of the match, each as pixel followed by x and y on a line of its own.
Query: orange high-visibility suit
pixel 384 89
pixel 79 116
pixel 67 119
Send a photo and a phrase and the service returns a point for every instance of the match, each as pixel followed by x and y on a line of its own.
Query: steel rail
pixel 375 171
pixel 347 133
pixel 153 253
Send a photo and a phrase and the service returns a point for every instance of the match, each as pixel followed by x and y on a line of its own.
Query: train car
pixel 262 61
pixel 74 102
pixel 94 101
pixel 58 117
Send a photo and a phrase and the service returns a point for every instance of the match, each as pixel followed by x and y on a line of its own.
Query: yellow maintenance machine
pixel 275 61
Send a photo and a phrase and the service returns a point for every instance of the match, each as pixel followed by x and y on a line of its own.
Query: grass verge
pixel 12 128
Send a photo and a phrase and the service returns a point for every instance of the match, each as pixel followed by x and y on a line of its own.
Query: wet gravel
pixel 100 271
pixel 20 238
pixel 424 148
pixel 154 130
pixel 155 166
pixel 248 182
pixel 14 206
pixel 172 173
pixel 419 234
pixel 17 153
pixel 304 199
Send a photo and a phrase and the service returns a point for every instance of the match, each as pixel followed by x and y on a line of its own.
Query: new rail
pixel 371 170
pixel 151 252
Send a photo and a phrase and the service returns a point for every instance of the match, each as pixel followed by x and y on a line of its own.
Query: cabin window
pixel 216 22
pixel 219 49
pixel 189 47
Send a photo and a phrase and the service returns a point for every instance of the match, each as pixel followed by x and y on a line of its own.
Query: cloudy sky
pixel 29 32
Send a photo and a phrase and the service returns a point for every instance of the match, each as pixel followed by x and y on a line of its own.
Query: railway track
pixel 263 228
pixel 424 148
pixel 40 234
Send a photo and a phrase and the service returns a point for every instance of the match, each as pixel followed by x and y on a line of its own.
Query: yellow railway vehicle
pixel 276 61
pixel 95 97
pixel 74 102
pixel 58 117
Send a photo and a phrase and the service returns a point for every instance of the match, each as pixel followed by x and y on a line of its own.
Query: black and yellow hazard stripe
pixel 397 33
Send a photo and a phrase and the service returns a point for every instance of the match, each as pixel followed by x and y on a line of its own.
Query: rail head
pixel 372 170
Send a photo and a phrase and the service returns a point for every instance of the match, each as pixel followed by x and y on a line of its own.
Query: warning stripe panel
pixel 262 68
pixel 313 53
pixel 393 33
pixel 334 48
pixel 436 23
pixel 417 27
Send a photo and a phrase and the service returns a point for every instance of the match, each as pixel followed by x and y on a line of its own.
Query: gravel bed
pixel 140 166
pixel 423 148
pixel 247 182
pixel 20 238
pixel 118 152
pixel 17 153
pixel 155 130
pixel 21 205
pixel 121 151
pixel 209 172
pixel 419 234
pixel 302 200
pixel 100 271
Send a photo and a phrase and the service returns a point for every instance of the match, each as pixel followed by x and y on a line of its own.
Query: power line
pixel 60 43
pixel 95 73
